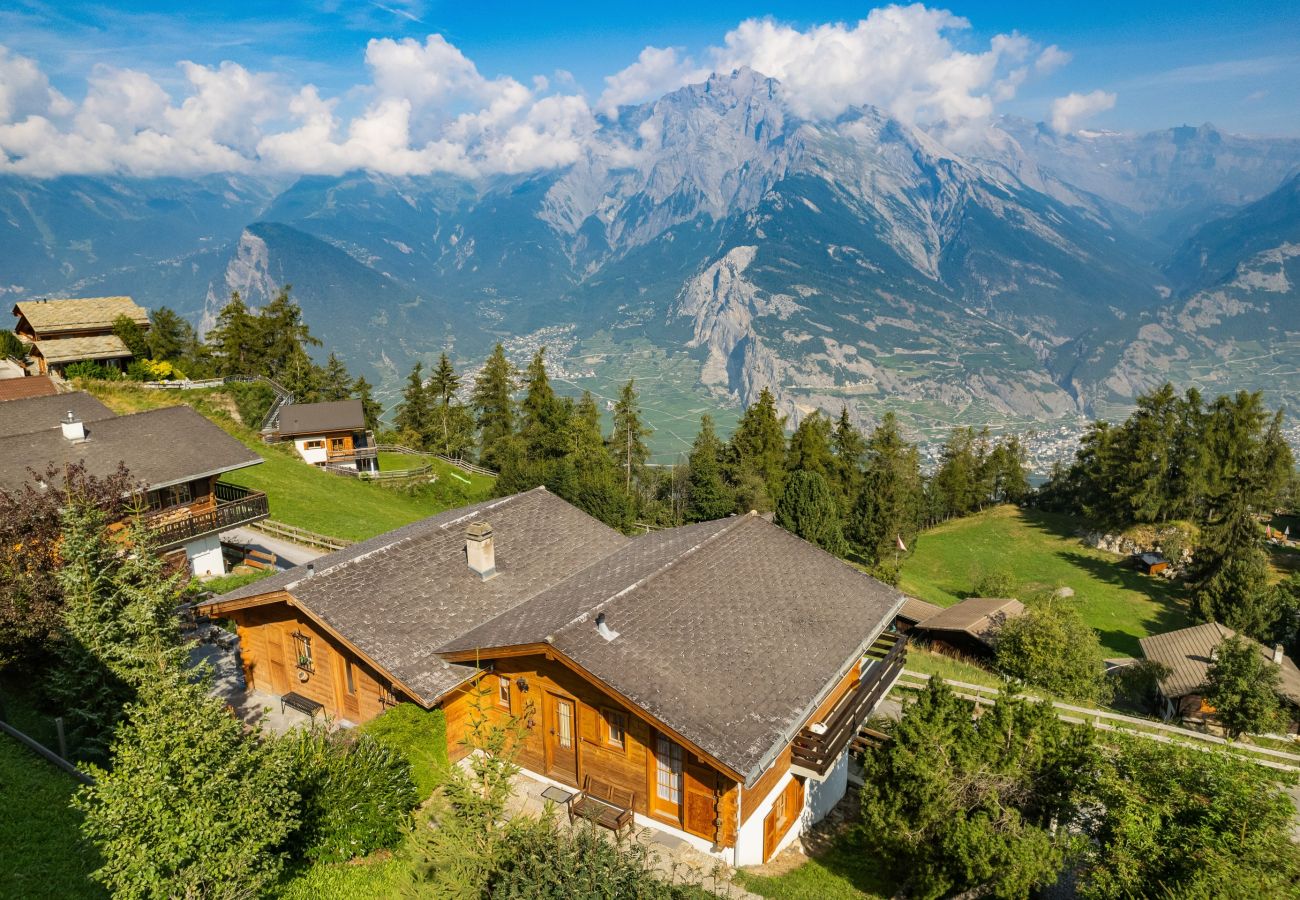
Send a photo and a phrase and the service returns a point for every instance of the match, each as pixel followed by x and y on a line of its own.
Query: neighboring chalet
pixel 62 332
pixel 332 433
pixel 1189 653
pixel 25 388
pixel 175 453
pixel 914 612
pixel 968 628
pixel 724 705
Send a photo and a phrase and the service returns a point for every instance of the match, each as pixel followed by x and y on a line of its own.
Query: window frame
pixel 314 444
pixel 608 716
pixel 302 650
pixel 504 693
pixel 349 677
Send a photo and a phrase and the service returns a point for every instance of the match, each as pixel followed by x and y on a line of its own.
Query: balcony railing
pixel 816 752
pixel 235 506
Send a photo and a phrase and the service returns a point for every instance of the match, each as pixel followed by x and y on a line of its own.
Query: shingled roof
pixel 26 387
pixel 980 617
pixel 1188 653
pixel 52 317
pixel 159 447
pixel 733 662
pixel 30 414
pixel 74 349
pixel 320 418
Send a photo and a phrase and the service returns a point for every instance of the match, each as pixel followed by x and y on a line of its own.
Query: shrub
pixel 418 734
pixel 1051 646
pixel 253 399
pixel 152 370
pixel 357 794
pixel 994 583
pixel 11 346
pixel 91 370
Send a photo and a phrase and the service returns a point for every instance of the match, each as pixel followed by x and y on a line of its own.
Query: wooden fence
pixel 301 535
pixel 470 467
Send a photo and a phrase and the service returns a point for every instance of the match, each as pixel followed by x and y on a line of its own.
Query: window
pixel 347 669
pixel 668 771
pixel 503 690
pixel 564 725
pixel 615 725
pixel 386 697
pixel 313 445
pixel 167 497
pixel 338 445
pixel 302 651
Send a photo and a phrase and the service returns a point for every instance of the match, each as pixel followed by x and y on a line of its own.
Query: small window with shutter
pixel 615 727
pixel 503 691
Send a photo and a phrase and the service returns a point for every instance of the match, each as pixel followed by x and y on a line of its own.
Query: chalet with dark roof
pixel 175 455
pixel 968 628
pixel 716 673
pixel 330 434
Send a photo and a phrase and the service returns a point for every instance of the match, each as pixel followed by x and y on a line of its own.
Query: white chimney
pixel 603 629
pixel 479 550
pixel 1277 654
pixel 73 428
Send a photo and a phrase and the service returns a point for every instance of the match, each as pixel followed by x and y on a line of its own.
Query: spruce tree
pixel 444 382
pixel 627 441
pixel 807 508
pixel 708 495
pixel 810 447
pixel 336 383
pixel 588 476
pixel 169 335
pixel 362 390
pixel 412 416
pixel 494 407
pixel 451 427
pixel 956 483
pixel 756 454
pixel 236 339
pixel 888 509
pixel 283 335
pixel 850 450
pixel 542 414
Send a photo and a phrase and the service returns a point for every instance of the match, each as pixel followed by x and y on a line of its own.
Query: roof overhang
pixel 153 486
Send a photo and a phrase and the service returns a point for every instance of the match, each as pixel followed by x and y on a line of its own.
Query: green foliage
pixel 451 425
pixel 356 793
pixel 11 346
pixel 370 407
pixel 412 413
pixel 756 454
pixel 418 734
pixel 91 371
pixel 1050 646
pixel 961 805
pixel 494 406
pixel 191 807
pixel 336 383
pixel 888 506
pixel 253 400
pixel 131 334
pixel 810 448
pixel 996 581
pixel 1176 822
pixel 235 340
pixel 850 452
pixel 627 440
pixel 1242 688
pixel 153 370
pixel 708 495
pixel 807 508
pixel 169 335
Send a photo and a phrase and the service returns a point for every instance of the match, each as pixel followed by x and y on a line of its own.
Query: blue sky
pixel 418 86
pixel 1237 65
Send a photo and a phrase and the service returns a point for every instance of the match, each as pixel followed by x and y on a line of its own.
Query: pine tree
pixel 236 339
pixel 362 390
pixel 807 508
pixel 169 335
pixel 888 509
pixel 412 416
pixel 708 495
pixel 850 450
pixel 756 454
pixel 627 441
pixel 810 447
pixel 494 406
pixel 336 383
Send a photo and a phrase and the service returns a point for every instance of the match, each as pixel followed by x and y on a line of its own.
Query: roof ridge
pixel 731 523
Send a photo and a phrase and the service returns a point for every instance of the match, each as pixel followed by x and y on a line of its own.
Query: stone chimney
pixel 479 550
pixel 73 428
pixel 1277 654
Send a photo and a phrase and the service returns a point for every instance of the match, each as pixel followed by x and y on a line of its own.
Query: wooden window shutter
pixel 588 724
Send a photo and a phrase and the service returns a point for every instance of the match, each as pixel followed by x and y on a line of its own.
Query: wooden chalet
pixel 721 705
pixel 176 456
pixel 1188 654
pixel 968 628
pixel 331 434
pixel 62 332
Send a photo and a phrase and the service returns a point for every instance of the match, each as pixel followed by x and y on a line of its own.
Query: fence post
pixel 63 741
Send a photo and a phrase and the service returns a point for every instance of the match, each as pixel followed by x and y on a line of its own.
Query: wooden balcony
pixel 816 749
pixel 234 506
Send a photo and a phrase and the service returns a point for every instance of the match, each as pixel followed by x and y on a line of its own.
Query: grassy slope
pixel 300 494
pixel 1042 552
pixel 843 872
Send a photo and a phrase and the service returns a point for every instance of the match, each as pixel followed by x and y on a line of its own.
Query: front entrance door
pixel 562 747
pixel 275 658
pixel 667 797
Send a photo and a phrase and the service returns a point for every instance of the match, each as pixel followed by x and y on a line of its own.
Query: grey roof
pixel 1187 653
pixel 917 610
pixel 159 447
pixel 400 596
pixel 52 316
pixel 319 418
pixel 980 617
pixel 44 413
pixel 729 632
pixel 74 349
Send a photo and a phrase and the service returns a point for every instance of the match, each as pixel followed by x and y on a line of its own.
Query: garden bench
pixel 603 804
pixel 301 703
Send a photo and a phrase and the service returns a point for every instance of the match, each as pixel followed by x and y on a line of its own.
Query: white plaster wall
pixel 318 455
pixel 821 796
pixel 205 556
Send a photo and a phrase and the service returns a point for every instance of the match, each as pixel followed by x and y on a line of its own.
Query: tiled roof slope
pixel 53 316
pixel 24 388
pixel 402 595
pixel 44 413
pixel 917 610
pixel 318 418
pixel 1187 653
pixel 977 616
pixel 60 350
pixel 159 447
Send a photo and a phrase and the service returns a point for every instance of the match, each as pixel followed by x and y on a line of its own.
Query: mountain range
pixel 728 245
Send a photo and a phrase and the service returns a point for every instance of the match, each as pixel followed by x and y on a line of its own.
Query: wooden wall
pixel 707 794
pixel 270 664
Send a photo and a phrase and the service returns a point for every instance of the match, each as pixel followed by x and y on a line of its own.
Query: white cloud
pixel 1070 111
pixel 426 107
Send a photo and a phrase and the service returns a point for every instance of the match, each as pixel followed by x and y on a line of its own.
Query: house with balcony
pixel 62 332
pixel 176 456
pixel 331 434
pixel 711 680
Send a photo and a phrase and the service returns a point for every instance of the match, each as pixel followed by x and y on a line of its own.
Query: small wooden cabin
pixel 643 663
pixel 330 434
pixel 63 332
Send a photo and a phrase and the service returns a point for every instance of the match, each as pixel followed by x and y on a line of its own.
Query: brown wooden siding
pixel 751 797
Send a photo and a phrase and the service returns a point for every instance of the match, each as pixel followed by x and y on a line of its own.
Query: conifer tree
pixel 494 407
pixel 236 339
pixel 888 509
pixel 303 378
pixel 363 391
pixel 588 476
pixel 283 335
pixel 756 454
pixel 1242 687
pixel 169 335
pixel 850 450
pixel 956 483
pixel 708 495
pixel 810 447
pixel 627 441
pixel 444 383
pixel 451 427
pixel 336 383
pixel 543 415
pixel 130 333
pixel 807 508
pixel 412 414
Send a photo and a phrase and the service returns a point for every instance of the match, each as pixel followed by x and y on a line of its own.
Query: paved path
pixel 287 554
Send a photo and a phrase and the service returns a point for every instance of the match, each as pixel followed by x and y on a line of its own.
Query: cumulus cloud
pixel 1070 111
pixel 425 107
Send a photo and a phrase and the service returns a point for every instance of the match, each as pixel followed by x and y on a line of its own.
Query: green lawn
pixel 843 872
pixel 303 495
pixel 1042 552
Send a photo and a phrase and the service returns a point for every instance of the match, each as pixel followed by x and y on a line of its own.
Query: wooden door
pixel 786 809
pixel 275 660
pixel 699 795
pixel 666 796
pixel 346 677
pixel 561 740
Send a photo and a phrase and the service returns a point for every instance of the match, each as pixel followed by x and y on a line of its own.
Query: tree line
pixel 851 493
